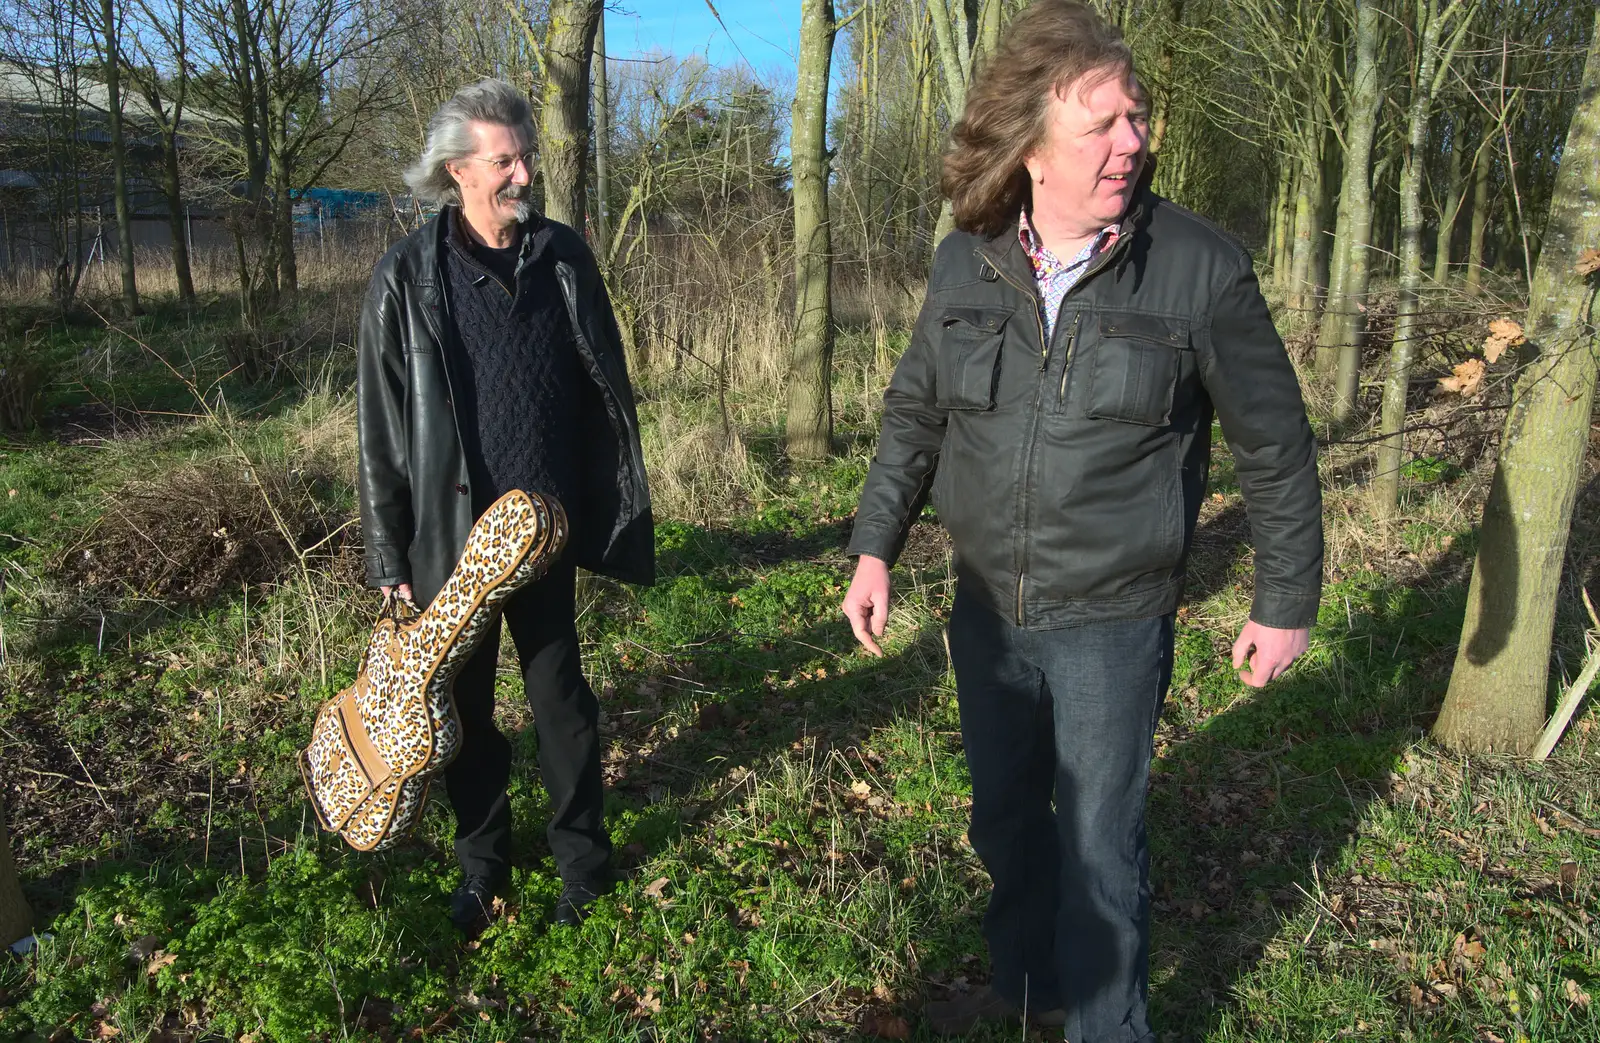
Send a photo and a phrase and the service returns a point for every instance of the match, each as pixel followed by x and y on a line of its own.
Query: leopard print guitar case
pixel 376 745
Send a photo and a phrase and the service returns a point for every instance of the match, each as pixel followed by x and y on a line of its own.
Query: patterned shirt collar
pixel 1054 276
pixel 1041 256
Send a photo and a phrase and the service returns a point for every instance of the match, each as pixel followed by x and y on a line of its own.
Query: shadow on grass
pixel 1249 805
pixel 1252 792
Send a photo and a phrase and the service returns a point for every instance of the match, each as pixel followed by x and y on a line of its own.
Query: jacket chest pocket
pixel 1136 365
pixel 968 357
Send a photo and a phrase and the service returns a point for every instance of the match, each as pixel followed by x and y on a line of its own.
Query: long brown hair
pixel 1048 48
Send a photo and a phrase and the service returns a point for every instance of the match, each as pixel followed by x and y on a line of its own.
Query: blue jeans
pixel 1069 714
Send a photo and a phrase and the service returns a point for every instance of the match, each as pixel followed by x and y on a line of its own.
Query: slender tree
pixel 1343 321
pixel 158 71
pixel 1498 688
pixel 1434 54
pixel 602 142
pixel 808 426
pixel 564 118
pixel 106 19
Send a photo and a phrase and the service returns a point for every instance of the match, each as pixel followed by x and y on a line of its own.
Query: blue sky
pixel 761 32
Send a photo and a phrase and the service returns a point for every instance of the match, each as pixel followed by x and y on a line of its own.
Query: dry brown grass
pixel 200 530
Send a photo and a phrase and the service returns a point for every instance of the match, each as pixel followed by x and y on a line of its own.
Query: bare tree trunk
pixel 1339 338
pixel 808 426
pixel 1498 688
pixel 1430 64
pixel 282 220
pixel 1307 226
pixel 564 122
pixel 1480 223
pixel 1283 223
pixel 172 189
pixel 955 88
pixel 1451 208
pixel 16 919
pixel 111 55
pixel 602 143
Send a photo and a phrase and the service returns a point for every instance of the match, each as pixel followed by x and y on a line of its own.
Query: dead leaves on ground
pixel 1503 334
pixel 1467 377
pixel 1588 262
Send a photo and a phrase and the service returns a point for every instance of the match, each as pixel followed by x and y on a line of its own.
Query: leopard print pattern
pixel 403 693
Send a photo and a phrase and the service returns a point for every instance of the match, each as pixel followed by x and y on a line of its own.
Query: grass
pixel 792 812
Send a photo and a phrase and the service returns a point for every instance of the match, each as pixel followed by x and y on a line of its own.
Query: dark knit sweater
pixel 521 386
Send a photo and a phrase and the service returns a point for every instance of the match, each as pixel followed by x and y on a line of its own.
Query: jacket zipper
pixel 1072 340
pixel 1044 364
pixel 1033 429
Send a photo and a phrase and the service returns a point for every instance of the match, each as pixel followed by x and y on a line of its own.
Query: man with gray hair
pixel 490 360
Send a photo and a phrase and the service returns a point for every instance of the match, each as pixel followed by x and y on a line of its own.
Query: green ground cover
pixel 792 812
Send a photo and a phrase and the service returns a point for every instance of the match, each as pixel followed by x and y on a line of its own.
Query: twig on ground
pixel 97 790
pixel 1580 687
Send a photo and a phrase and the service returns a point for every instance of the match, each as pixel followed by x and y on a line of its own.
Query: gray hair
pixel 450 136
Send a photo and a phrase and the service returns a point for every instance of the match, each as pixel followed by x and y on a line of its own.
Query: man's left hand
pixel 1268 652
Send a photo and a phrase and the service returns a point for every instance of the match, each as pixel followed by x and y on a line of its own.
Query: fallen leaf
pixel 1575 995
pixel 1473 950
pixel 158 960
pixel 747 917
pixel 860 790
pixel 656 887
pixel 1503 334
pixel 1588 262
pixel 1467 376
pixel 1569 874
pixel 879 1025
pixel 105 1031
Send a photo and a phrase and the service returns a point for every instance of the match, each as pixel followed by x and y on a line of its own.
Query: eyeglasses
pixel 504 165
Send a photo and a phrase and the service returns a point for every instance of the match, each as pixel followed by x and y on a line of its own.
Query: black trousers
pixel 1066 716
pixel 541 619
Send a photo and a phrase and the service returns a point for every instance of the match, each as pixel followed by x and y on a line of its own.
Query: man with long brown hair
pixel 1079 335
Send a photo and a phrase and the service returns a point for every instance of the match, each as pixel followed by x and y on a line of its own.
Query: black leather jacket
pixel 416 502
pixel 1070 473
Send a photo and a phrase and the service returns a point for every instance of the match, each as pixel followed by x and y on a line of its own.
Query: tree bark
pixel 1480 224
pixel 1340 335
pixel 808 426
pixel 172 189
pixel 564 120
pixel 1499 686
pixel 111 55
pixel 1283 223
pixel 1307 226
pixel 1386 483
pixel 1451 208
pixel 16 918
pixel 602 143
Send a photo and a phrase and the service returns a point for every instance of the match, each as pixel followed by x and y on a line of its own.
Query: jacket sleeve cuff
pixel 1284 610
pixel 876 541
pixel 386 567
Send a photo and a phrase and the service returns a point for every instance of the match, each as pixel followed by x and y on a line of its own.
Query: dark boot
pixel 572 908
pixel 472 905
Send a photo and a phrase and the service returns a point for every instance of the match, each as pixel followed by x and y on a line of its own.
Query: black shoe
pixel 576 898
pixel 472 904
